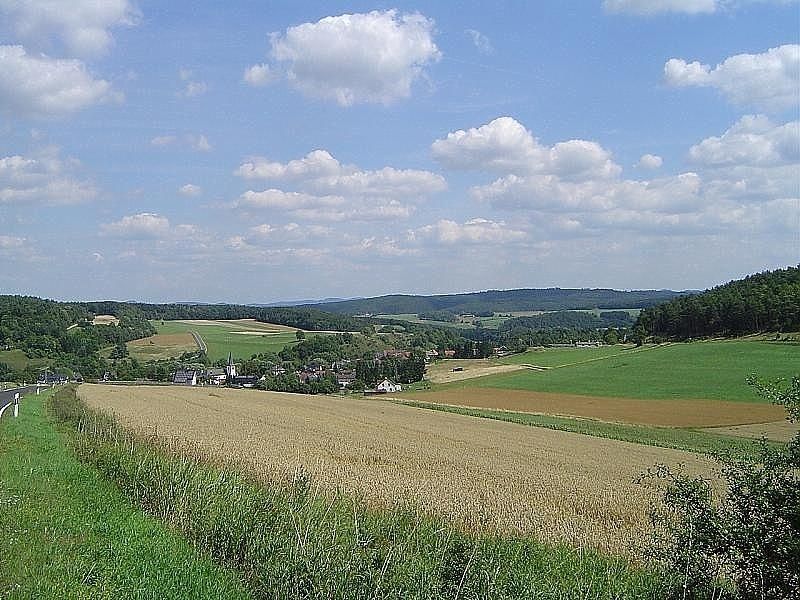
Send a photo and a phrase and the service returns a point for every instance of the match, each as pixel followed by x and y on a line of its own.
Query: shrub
pixel 747 543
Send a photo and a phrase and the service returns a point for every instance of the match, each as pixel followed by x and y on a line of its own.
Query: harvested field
pixel 245 324
pixel 780 431
pixel 162 346
pixel 665 413
pixel 105 320
pixel 442 371
pixel 486 475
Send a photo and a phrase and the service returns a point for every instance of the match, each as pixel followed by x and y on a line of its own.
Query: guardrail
pixel 14 403
pixel 14 396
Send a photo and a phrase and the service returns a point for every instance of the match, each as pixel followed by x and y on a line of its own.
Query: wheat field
pixel 482 474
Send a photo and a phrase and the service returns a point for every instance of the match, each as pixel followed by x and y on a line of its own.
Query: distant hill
pixel 501 301
pixel 764 302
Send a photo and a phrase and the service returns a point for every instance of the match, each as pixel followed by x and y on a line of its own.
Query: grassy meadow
pixel 713 370
pixel 243 338
pixel 16 359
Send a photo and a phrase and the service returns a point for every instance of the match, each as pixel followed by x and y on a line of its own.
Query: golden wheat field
pixel 479 473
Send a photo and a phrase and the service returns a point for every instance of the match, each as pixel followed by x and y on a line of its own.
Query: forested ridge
pixel 500 301
pixel 764 302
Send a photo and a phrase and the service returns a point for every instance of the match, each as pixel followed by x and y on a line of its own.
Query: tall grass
pixel 288 541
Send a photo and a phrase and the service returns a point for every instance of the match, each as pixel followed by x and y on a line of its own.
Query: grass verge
pixel 290 542
pixel 691 440
pixel 65 532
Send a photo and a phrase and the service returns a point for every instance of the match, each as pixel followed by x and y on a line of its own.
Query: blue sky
pixel 281 150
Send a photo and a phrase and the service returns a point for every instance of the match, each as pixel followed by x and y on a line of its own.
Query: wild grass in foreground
pixel 664 437
pixel 65 532
pixel 288 542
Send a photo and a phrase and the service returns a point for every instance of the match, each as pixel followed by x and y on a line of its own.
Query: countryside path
pixel 200 342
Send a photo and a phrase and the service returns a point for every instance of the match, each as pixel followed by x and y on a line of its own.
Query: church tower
pixel 230 370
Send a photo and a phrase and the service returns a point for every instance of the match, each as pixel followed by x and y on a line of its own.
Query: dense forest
pixel 63 332
pixel 478 303
pixel 768 301
pixel 302 318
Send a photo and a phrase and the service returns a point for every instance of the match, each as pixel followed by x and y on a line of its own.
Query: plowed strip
pixel 666 413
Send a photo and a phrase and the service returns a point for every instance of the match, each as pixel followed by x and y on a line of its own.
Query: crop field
pixel 663 413
pixel 712 370
pixel 442 371
pixel 162 345
pixel 781 431
pixel 479 473
pixel 243 338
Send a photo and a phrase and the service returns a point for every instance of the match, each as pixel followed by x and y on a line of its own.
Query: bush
pixel 746 544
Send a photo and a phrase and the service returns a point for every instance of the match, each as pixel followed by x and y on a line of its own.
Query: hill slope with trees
pixel 764 302
pixel 500 301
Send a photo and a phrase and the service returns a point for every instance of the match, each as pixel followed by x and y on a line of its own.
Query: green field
pixel 69 533
pixel 557 357
pixel 220 337
pixel 16 359
pixel 710 369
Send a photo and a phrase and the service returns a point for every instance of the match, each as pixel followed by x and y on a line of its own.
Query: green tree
pixel 745 544
pixel 300 334
pixel 120 351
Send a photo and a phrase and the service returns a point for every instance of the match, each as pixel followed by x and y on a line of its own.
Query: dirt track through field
pixel 483 474
pixel 665 413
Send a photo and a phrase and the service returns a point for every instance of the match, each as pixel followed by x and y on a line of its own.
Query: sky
pixel 257 151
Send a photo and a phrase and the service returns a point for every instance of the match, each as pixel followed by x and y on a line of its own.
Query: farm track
pixel 198 339
pixel 482 474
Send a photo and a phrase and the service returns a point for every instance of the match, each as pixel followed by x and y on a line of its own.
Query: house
pixel 216 376
pixel 246 381
pixel 388 387
pixel 185 377
pixel 345 378
pixel 449 353
pixel 431 354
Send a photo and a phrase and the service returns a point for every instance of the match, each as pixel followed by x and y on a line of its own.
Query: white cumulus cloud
pixel 650 161
pixel 259 75
pixel 138 226
pixel 190 189
pixel 45 179
pixel 769 81
pixel 504 145
pixel 357 58
pixel 82 26
pixel 194 141
pixel 753 140
pixel 40 86
pixel 474 231
pixel 654 7
pixel 319 172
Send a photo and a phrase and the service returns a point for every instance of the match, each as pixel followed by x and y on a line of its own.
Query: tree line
pixel 768 301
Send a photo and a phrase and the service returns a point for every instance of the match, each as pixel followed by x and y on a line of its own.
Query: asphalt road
pixel 7 396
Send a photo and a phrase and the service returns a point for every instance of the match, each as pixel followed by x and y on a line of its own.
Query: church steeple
pixel 231 368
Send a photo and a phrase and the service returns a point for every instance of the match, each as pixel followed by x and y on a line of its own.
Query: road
pixel 201 345
pixel 7 396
